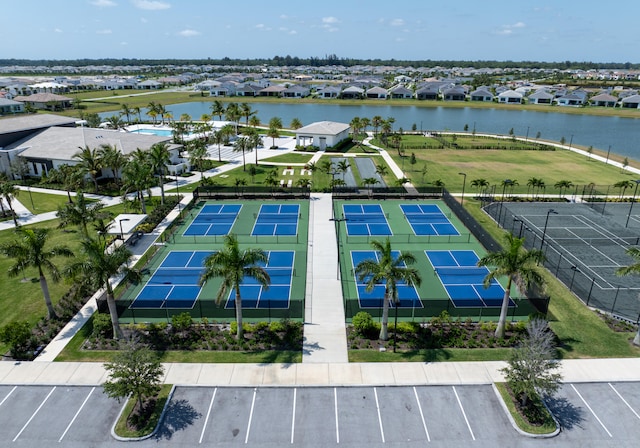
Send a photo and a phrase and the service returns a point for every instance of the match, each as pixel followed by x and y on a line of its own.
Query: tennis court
pixel 464 280
pixel 407 294
pixel 277 219
pixel 365 220
pixel 428 219
pixel 214 219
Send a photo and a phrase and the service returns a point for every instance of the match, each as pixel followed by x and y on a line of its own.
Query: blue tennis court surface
pixel 214 219
pixel 277 219
pixel 428 219
pixel 175 283
pixel 280 268
pixel 407 294
pixel 365 220
pixel 464 280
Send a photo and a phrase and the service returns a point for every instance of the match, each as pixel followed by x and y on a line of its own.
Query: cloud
pixel 151 5
pixel 507 30
pixel 263 27
pixel 103 3
pixel 330 20
pixel 124 43
pixel 189 33
pixel 143 20
pixel 103 31
pixel 57 30
pixel 397 22
pixel 292 32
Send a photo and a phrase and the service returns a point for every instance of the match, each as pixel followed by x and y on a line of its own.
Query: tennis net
pixel 276 217
pixel 216 217
pixel 462 271
pixel 430 218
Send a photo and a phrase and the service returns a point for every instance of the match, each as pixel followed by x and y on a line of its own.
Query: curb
pixel 515 425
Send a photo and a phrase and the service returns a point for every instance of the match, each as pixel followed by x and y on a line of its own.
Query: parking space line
pixel 375 393
pixel 591 410
pixel 424 423
pixel 463 413
pixel 293 414
pixel 10 392
pixel 335 404
pixel 76 416
pixel 204 428
pixel 34 414
pixel 253 402
pixel 624 401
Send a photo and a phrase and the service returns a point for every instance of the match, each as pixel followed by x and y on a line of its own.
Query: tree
pixel 115 122
pixel 632 269
pixel 424 171
pixel 252 172
pixel 233 113
pixel 80 213
pixel 242 144
pixel 369 182
pixel 137 176
pixel 113 159
pixel 563 185
pixel 254 121
pixel 304 182
pixel 295 124
pixel 70 176
pixel 625 164
pixel 480 183
pixel 388 269
pixel 382 170
pixel 153 110
pixel 136 110
pixel 126 111
pixel 402 180
pixel 355 129
pixel 197 153
pixel 30 251
pixel 17 335
pixel 97 267
pixel 343 167
pixel 233 265
pixel 532 364
pixel 136 371
pixel 275 124
pixel 518 265
pixel 159 157
pixel 247 112
pixel 217 109
pixel 91 163
pixel 254 141
pixel 376 121
pixel 623 185
pixel 413 160
pixel 9 191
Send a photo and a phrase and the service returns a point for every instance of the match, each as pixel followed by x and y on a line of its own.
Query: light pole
pixel 31 197
pixel 546 221
pixel 336 221
pixel 121 232
pixel 570 141
pixel 574 269
pixel 608 152
pixel 464 182
pixel 632 201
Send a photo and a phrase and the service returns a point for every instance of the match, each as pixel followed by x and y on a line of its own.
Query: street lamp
pixel 464 182
pixel 546 221
pixel 632 201
pixel 31 197
pixel 121 232
pixel 338 220
pixel 574 269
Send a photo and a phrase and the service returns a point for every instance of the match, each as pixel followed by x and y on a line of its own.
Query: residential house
pixel 149 84
pixel 456 93
pixel 275 90
pixel 541 96
pixel 603 100
pixel 296 91
pixel 46 101
pixel 481 95
pixel 352 92
pixel 10 107
pixel 329 92
pixel 510 97
pixel 631 102
pixel 400 92
pixel 322 134
pixel 377 93
pixel 248 90
pixel 427 93
pixel 576 98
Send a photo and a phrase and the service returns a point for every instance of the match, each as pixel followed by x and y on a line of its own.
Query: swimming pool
pixel 159 132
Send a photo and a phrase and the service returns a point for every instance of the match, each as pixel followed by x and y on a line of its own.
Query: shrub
pixel 102 327
pixel 18 336
pixel 363 323
pixel 181 322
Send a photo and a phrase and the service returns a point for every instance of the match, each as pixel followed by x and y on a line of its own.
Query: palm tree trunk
pixel 219 157
pixel 161 190
pixel 113 313
pixel 238 305
pixel 384 327
pixel 503 311
pixel 51 313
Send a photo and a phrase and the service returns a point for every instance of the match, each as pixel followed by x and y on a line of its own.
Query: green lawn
pixel 290 157
pixel 43 202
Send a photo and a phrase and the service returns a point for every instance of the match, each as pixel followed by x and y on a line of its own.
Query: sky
pixel 502 30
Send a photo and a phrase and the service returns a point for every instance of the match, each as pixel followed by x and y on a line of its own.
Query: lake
pixel 622 134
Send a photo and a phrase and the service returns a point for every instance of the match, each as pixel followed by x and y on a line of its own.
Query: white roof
pixel 323 128
pixel 129 221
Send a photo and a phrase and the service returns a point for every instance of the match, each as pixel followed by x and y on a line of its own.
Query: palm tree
pixel 233 265
pixel 632 269
pixel 365 123
pixel 518 265
pixel 218 138
pixel 233 113
pixel 70 176
pixel 369 182
pixel 355 129
pixel 114 159
pixel 388 270
pixel 254 121
pixel 115 122
pixel 30 251
pixel 343 167
pixel 480 183
pixel 91 163
pixel 304 182
pixel 382 170
pixel 217 109
pixel 125 110
pixel 623 185
pixel 275 124
pixel 247 112
pixel 197 153
pixel 153 110
pixel 137 176
pixel 531 185
pixel 80 213
pixel 9 191
pixel 376 122
pixel 242 144
pixel 136 110
pixel 563 184
pixel 402 180
pixel 159 158
pixel 98 266
pixel 255 141
pixel 295 124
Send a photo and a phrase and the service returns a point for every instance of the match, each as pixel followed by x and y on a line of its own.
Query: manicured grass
pixel 121 428
pixel 43 202
pixel 291 157
pixel 548 427
pixel 431 355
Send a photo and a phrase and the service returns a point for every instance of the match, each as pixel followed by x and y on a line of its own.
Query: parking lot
pixel 591 414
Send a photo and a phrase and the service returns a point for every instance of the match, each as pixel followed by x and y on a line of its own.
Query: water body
pixel 622 134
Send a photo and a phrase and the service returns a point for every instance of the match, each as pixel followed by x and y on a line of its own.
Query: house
pixel 427 93
pixel 454 94
pixel 510 97
pixel 149 84
pixel 296 91
pixel 329 92
pixel 377 93
pixel 399 92
pixel 631 102
pixel 481 95
pixel 248 90
pixel 603 100
pixel 322 134
pixel 352 92
pixel 10 107
pixel 46 101
pixel 272 91
pixel 577 98
pixel 541 96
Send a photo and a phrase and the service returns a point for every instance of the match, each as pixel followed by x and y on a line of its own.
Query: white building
pixel 322 134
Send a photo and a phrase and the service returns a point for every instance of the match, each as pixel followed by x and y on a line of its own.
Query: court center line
pixel 591 410
pixel 335 405
pixel 293 415
pixel 463 413
pixel 424 423
pixel 206 420
pixel 34 414
pixel 375 393
pixel 10 392
pixel 76 416
pixel 624 401
pixel 253 402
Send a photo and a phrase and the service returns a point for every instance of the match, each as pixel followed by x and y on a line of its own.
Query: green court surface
pixel 357 228
pixel 277 227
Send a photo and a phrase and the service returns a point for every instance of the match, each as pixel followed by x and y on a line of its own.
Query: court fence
pixel 250 192
pixel 619 301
